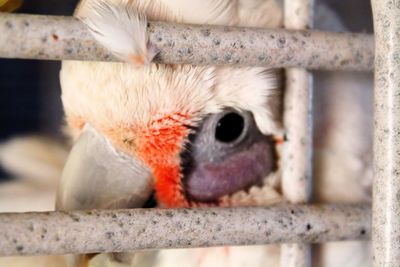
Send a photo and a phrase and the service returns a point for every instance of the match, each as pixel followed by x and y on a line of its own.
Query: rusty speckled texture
pixel 128 230
pixel 386 190
pixel 51 37
pixel 297 118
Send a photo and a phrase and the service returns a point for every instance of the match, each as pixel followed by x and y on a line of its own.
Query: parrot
pixel 181 136
pixel 177 136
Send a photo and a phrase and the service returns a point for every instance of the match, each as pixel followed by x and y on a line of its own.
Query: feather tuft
pixel 122 29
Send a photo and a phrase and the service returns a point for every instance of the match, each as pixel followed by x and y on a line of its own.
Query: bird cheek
pixel 160 150
pixel 168 186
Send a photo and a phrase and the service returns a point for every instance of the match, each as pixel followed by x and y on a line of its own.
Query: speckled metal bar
pixel 386 188
pixel 128 230
pixel 297 150
pixel 50 37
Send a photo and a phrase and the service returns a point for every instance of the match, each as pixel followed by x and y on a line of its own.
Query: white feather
pixel 122 29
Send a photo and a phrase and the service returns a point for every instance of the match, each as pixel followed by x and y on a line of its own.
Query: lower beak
pixel 97 175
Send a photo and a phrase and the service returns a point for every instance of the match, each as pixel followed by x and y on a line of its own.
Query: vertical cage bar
pixel 386 190
pixel 297 150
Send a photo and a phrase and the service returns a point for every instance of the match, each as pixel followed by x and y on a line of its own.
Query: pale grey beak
pixel 97 175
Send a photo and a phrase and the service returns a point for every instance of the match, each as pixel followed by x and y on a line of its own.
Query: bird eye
pixel 226 153
pixel 229 128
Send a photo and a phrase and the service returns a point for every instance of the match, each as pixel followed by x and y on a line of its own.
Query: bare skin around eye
pixel 209 181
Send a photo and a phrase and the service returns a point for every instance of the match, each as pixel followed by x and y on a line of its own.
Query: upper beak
pixel 96 175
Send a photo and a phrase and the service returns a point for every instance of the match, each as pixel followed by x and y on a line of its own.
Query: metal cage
pixel 296 48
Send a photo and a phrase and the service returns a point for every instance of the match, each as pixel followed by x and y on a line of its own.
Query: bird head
pixel 193 135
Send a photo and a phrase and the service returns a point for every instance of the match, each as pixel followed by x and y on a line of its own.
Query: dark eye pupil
pixel 229 128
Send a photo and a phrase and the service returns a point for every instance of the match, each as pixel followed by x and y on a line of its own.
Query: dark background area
pixel 356 14
pixel 30 91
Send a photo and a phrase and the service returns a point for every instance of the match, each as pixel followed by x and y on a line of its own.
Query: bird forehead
pixel 118 94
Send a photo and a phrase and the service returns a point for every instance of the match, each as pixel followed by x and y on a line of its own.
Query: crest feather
pixel 122 29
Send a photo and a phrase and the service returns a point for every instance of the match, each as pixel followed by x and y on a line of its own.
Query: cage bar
pixel 386 188
pixel 135 229
pixel 297 150
pixel 56 38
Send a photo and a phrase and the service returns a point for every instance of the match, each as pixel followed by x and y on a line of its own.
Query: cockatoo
pixel 184 135
pixel 150 134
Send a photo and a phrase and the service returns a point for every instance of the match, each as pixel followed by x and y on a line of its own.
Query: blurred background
pixel 30 91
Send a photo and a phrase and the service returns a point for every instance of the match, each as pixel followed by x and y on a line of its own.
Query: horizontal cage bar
pixel 128 230
pixel 55 38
